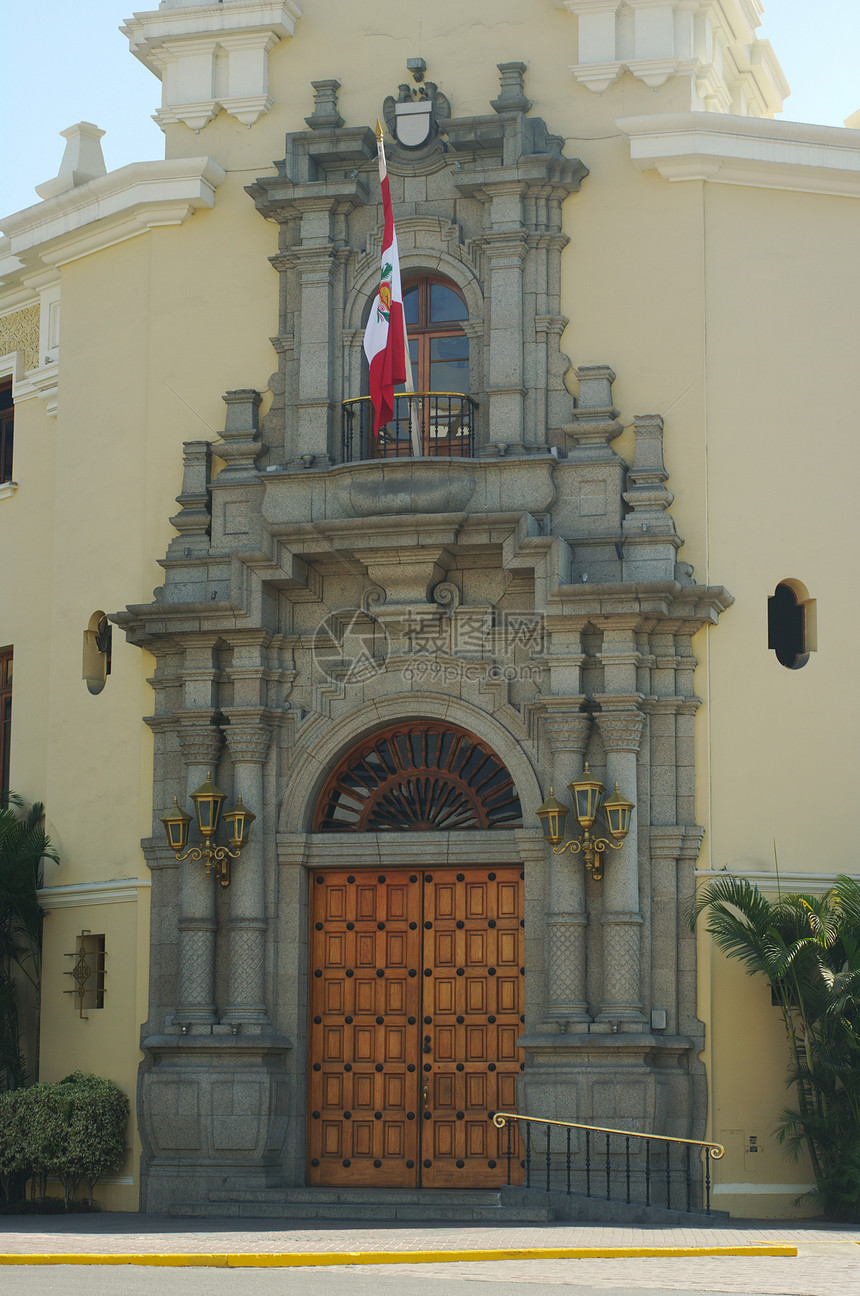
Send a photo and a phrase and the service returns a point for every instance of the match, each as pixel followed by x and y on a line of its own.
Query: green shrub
pixel 97 1116
pixel 73 1131
pixel 14 1165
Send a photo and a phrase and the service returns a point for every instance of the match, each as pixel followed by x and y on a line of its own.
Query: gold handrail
pixel 715 1150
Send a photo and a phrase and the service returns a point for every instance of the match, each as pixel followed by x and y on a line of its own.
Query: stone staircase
pixel 379 1205
pixel 507 1206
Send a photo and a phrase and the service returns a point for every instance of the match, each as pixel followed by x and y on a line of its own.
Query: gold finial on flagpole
pixel 380 150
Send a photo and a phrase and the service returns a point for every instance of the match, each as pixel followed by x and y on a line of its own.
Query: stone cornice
pixel 76 895
pixel 748 151
pixel 711 44
pixel 146 32
pixel 787 882
pixel 107 210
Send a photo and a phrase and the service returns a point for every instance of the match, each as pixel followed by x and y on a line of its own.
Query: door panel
pixel 473 998
pixel 415 1008
pixel 365 999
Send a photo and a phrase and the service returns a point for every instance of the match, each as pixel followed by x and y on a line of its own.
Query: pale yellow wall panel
pixel 104 1044
pixel 782 453
pixel 26 540
pixel 94 749
pixel 214 309
pixel 748 1094
pixel 632 287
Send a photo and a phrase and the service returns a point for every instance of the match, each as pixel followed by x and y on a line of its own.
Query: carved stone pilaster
pixel 566 968
pixel 245 977
pixel 621 969
pixel 195 1000
pixel 200 742
pixel 248 736
pixel 620 730
pixel 567 730
pixel 248 743
pixel 666 843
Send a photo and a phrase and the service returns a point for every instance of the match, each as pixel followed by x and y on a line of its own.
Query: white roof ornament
pixel 184 44
pixel 82 160
pixel 711 44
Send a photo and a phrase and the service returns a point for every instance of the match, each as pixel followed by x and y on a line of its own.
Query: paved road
pixel 804 1276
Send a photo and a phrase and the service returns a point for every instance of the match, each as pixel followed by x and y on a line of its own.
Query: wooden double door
pixel 416 1002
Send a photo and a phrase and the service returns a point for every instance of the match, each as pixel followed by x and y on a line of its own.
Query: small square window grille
pixel 88 973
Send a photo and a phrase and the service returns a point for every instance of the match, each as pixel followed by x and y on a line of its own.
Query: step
pixel 369 1205
pixel 359 1196
pixel 577 1208
pixel 382 1215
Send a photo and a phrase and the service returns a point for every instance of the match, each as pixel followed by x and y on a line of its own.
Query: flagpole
pixel 414 431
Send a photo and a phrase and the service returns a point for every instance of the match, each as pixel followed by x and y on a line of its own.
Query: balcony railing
pixel 653 1170
pixel 432 424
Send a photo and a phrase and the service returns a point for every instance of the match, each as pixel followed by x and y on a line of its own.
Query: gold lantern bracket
pixel 207 801
pixel 587 797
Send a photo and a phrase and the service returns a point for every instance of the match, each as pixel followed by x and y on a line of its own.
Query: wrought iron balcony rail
pixel 432 424
pixel 656 1166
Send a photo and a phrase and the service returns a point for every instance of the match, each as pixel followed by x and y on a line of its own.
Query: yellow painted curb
pixel 285 1260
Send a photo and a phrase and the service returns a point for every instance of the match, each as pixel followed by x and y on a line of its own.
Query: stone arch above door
pixel 326 742
pixel 418 776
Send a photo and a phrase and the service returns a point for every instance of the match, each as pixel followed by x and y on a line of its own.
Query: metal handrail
pixel 566 1167
pixel 444 422
pixel 715 1150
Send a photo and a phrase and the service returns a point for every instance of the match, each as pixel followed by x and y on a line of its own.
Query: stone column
pixel 666 844
pixel 200 742
pixel 505 250
pixel 567 730
pixel 248 738
pixel 621 729
pixel 315 260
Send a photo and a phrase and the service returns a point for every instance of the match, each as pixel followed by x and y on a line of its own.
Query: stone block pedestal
pixel 213 1115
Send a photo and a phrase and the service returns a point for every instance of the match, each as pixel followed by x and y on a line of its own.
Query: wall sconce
pixel 586 794
pixel 208 801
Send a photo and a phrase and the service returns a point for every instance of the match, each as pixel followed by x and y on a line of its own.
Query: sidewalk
pixel 149 1236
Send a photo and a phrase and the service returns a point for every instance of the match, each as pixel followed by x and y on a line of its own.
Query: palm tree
pixel 808 947
pixel 24 846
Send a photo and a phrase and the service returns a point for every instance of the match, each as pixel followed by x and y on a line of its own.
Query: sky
pixel 88 74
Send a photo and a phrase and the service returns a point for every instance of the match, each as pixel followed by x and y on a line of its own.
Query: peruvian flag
pixel 385 335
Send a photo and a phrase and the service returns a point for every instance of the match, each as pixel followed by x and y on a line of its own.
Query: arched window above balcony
pixel 438 420
pixel 436 311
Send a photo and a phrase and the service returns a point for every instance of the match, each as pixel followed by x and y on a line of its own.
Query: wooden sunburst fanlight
pixel 419 776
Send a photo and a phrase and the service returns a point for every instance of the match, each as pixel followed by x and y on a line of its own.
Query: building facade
pixel 619 270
